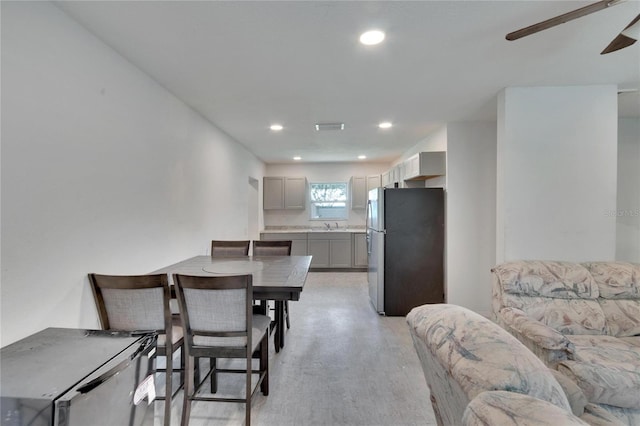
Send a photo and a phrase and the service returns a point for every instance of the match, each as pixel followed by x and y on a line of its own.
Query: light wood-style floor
pixel 343 364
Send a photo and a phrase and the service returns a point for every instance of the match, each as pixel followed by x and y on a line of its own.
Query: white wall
pixel 628 208
pixel 436 141
pixel 319 172
pixel 471 213
pixel 557 162
pixel 102 171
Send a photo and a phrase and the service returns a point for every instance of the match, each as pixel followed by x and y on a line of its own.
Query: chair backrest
pixel 272 248
pixel 221 248
pixel 216 310
pixel 132 302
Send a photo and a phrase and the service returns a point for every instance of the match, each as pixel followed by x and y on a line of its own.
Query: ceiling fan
pixel 629 35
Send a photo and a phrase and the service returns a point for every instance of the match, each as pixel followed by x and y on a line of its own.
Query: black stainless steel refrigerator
pixel 74 377
pixel 405 246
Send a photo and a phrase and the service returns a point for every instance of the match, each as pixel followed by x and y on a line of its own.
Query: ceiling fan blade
pixel 561 19
pixel 626 38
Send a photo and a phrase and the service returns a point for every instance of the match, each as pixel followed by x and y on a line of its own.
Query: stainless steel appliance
pixel 405 246
pixel 73 377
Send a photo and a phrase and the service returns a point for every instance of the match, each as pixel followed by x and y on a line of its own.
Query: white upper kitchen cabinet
pixel 358 192
pixel 295 193
pixel 284 193
pixel 425 165
pixel 360 187
pixel 373 181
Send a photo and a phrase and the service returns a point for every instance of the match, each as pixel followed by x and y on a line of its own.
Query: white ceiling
pixel 247 64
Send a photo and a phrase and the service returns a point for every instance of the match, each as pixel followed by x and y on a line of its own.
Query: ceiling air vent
pixel 320 127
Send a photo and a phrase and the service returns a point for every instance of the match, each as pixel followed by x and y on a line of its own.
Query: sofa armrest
pixel 503 407
pixel 549 344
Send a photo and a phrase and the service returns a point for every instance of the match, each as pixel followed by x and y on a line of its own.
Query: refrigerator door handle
pixel 368 234
pixel 368 211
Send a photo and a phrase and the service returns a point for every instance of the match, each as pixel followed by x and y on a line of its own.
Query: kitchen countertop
pixel 313 230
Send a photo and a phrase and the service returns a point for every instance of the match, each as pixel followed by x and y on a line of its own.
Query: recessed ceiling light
pixel 385 125
pixel 276 127
pixel 372 37
pixel 297 158
pixel 361 157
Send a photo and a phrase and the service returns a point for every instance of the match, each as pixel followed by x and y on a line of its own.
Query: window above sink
pixel 329 201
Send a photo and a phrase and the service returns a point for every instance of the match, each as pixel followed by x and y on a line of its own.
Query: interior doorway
pixel 253 209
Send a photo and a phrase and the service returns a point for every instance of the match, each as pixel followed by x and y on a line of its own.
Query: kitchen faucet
pixel 337 226
pixel 328 225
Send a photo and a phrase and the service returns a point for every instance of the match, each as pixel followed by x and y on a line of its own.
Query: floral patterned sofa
pixel 582 319
pixel 479 374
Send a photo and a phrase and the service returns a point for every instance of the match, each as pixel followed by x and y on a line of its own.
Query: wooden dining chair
pixel 220 248
pixel 274 248
pixel 141 303
pixel 218 320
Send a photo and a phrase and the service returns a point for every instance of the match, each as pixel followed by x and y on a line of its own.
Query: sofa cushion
pixel 576 397
pixel 632 340
pixel 606 368
pixel 622 317
pixel 607 415
pixel 508 408
pixel 605 383
pixel 538 278
pixel 616 280
pixel 605 350
pixel 568 316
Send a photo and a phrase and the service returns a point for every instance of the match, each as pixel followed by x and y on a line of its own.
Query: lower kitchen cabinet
pixel 298 241
pixel 360 258
pixel 319 249
pixel 330 249
pixel 340 253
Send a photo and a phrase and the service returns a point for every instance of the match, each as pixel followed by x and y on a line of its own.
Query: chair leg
pixel 196 372
pixel 286 313
pixel 214 374
pixel 188 390
pixel 182 372
pixel 247 412
pixel 169 388
pixel 264 364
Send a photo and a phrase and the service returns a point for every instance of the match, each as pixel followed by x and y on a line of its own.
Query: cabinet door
pixel 299 247
pixel 295 193
pixel 273 193
pixel 373 181
pixel 340 253
pixel 386 178
pixel 412 166
pixel 360 258
pixel 319 249
pixel 358 192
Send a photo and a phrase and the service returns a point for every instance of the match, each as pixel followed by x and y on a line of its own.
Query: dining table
pixel 277 278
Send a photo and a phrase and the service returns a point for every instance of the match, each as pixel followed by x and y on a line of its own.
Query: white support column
pixel 556 173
